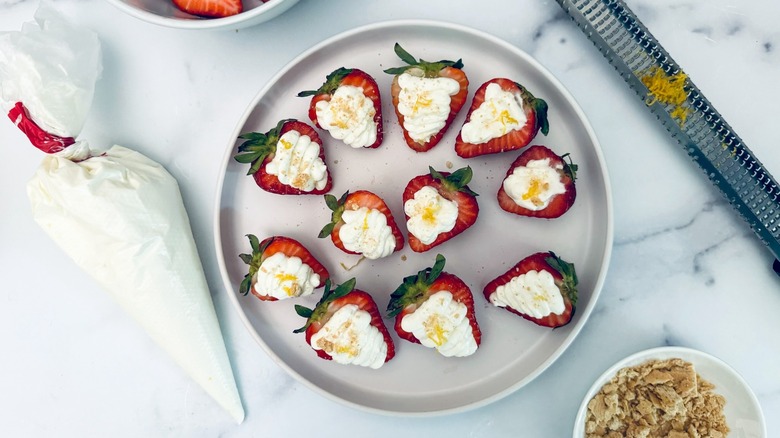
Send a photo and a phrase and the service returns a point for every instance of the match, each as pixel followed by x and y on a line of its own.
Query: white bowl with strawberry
pixel 204 14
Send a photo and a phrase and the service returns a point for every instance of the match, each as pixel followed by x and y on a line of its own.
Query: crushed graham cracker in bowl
pixel 700 391
pixel 659 398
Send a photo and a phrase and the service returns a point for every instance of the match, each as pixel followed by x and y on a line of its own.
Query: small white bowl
pixel 165 13
pixel 742 411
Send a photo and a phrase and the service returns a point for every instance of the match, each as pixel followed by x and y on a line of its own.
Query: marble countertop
pixel 685 270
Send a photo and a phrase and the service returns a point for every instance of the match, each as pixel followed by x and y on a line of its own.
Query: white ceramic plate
pixel 742 410
pixel 418 381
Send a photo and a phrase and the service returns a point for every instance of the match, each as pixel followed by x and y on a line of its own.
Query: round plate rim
pixel 609 225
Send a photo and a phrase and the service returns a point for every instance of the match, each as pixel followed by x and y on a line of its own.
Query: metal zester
pixel 705 136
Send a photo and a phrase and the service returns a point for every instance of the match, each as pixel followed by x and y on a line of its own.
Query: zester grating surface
pixel 706 137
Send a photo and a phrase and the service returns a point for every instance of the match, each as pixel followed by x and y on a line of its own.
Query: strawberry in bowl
pixel 287 160
pixel 541 288
pixel 436 309
pixel 427 96
pixel 503 116
pixel 539 183
pixel 280 268
pixel 438 206
pixel 345 326
pixel 348 105
pixel 210 8
pixel 362 223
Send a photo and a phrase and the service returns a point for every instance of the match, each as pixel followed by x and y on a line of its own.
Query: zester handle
pixel 705 136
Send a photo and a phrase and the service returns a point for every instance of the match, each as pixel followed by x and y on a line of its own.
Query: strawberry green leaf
pixel 456 181
pixel 569 167
pixel 404 55
pixel 430 69
pixel 246 158
pixel 328 296
pixel 258 147
pixel 306 313
pixel 326 230
pixel 331 84
pixel 540 109
pixel 254 242
pixel 337 206
pixel 303 311
pixel 245 285
pixel 253 136
pixel 254 261
pixel 570 281
pixel 414 288
pixel 331 202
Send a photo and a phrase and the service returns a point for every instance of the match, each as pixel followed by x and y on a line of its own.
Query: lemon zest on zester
pixel 668 90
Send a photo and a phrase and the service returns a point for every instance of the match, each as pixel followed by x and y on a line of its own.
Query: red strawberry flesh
pixel 210 8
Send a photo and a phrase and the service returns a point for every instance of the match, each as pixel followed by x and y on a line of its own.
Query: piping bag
pixel 118 214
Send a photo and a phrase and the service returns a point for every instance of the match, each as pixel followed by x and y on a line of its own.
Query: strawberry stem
pixel 430 69
pixel 337 206
pixel 456 181
pixel 414 288
pixel 258 146
pixel 328 296
pixel 569 275
pixel 569 167
pixel 254 261
pixel 331 84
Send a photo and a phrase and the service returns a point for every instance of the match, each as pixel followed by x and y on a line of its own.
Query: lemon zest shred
pixel 667 90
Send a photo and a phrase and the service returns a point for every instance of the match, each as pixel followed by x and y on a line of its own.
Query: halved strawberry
pixel 541 288
pixel 436 309
pixel 424 118
pixel 348 335
pixel 539 183
pixel 298 171
pixel 364 231
pixel 492 125
pixel 210 8
pixel 344 114
pixel 283 275
pixel 426 214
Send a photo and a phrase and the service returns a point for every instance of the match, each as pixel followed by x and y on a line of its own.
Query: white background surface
pixel 685 269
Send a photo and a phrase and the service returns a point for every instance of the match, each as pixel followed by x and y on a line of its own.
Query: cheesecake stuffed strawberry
pixel 541 288
pixel 427 96
pixel 287 160
pixel 539 183
pixel 503 116
pixel 436 309
pixel 280 268
pixel 348 105
pixel 438 206
pixel 362 223
pixel 345 326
